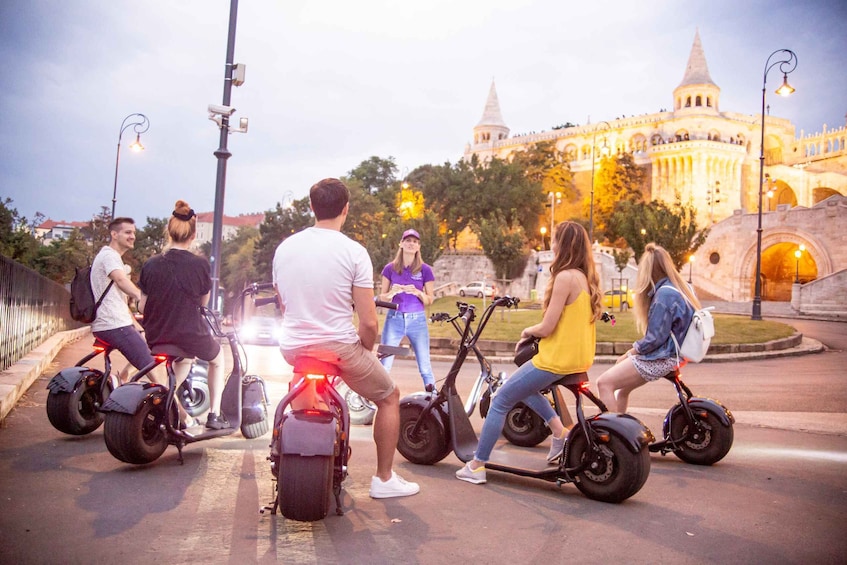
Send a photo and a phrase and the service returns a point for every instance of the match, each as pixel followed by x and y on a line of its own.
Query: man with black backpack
pixel 114 323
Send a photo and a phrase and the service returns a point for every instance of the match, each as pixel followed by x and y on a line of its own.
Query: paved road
pixel 780 496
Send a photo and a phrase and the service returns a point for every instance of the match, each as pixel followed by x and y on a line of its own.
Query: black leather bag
pixel 526 350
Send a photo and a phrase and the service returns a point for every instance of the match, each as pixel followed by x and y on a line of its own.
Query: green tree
pixel 17 241
pixel 237 266
pixel 278 224
pixel 504 243
pixel 375 174
pixel 618 179
pixel 674 228
pixel 58 260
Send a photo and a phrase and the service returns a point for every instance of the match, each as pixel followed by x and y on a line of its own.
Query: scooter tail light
pixel 91 381
pixel 603 437
pixel 315 376
pixel 99 348
pixel 311 412
pixel 157 400
pixel 161 358
pixel 703 414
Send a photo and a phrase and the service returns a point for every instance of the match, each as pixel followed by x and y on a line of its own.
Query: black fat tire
pixel 258 429
pixel 707 450
pixel 305 486
pixel 361 412
pixel 75 413
pixel 201 402
pixel 620 473
pixel 524 427
pixel 429 446
pixel 136 438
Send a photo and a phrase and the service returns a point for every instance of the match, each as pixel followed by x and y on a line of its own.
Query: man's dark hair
pixel 115 224
pixel 328 198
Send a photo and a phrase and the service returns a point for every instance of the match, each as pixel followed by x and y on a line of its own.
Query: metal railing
pixel 32 308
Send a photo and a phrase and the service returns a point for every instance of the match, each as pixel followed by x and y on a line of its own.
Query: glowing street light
pixel 797 254
pixel 787 62
pixel 690 267
pixel 141 124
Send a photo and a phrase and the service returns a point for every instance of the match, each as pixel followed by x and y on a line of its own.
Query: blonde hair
pixel 179 229
pixel 654 265
pixel 573 251
pixel 397 263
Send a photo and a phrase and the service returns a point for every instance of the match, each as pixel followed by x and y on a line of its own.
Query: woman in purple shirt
pixel 408 282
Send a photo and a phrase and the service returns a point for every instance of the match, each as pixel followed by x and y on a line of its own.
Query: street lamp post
pixel 591 202
pixel 787 62
pixel 553 197
pixel 690 267
pixel 797 254
pixel 141 124
pixel 543 231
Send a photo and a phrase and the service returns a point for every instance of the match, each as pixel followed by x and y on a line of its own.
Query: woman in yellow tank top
pixel 572 303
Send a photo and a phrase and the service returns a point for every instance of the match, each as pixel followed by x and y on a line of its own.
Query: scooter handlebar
pixel 384 304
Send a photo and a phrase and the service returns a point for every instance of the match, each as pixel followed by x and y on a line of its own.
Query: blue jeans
pixel 522 386
pixel 129 342
pixel 413 326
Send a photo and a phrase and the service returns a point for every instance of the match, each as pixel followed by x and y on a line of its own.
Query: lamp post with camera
pixel 140 124
pixel 787 61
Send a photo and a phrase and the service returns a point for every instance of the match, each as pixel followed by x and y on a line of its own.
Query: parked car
pixel 621 299
pixel 476 289
pixel 261 330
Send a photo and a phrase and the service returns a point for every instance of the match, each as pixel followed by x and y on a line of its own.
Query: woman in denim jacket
pixel 663 304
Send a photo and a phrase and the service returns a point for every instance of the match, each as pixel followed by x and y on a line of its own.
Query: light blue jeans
pixel 523 386
pixel 413 326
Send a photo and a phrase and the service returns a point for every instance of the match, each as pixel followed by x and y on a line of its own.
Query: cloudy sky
pixel 330 83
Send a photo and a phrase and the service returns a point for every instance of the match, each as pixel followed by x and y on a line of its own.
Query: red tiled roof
pixel 50 224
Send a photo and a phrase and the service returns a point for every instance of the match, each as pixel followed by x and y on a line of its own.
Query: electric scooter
pixel 311 440
pixel 606 454
pixel 77 393
pixel 696 430
pixel 142 418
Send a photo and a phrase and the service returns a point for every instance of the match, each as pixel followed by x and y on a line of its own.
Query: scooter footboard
pixel 720 411
pixel 636 435
pixel 128 398
pixel 67 380
pixel 308 433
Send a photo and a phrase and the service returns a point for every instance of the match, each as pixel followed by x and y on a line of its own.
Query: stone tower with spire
pixel 697 93
pixel 491 127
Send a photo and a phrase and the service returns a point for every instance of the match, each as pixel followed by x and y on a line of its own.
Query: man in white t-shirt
pixel 114 323
pixel 320 274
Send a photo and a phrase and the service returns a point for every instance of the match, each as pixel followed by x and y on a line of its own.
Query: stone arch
pixel 570 152
pixel 782 194
pixel 656 139
pixel 821 193
pixel 775 244
pixel 638 142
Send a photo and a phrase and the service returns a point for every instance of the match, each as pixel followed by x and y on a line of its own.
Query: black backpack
pixel 83 306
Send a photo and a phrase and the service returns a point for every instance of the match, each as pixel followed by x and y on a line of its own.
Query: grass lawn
pixel 506 325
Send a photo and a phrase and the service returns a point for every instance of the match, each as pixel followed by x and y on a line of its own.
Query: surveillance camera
pixel 221 110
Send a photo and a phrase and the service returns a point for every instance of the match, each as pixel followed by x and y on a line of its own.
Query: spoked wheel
pixel 194 395
pixel 709 441
pixel 361 409
pixel 137 438
pixel 613 472
pixel 524 427
pixel 426 447
pixel 305 486
pixel 75 413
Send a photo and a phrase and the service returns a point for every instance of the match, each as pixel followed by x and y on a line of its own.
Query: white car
pixel 475 289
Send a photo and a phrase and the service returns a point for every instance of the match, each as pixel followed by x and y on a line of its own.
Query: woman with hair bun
pixel 663 303
pixel 174 285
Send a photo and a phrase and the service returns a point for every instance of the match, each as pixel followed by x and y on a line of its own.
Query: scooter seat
pixel 171 350
pixel 309 365
pixel 572 379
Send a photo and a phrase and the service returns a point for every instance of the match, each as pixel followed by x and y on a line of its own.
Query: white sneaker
pixel 394 487
pixel 475 476
pixel 557 446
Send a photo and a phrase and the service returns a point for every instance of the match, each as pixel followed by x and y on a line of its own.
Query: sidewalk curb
pixel 16 380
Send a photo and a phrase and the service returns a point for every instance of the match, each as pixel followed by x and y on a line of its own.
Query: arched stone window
pixel 688 102
pixel 655 139
pixel 708 101
pixel 698 101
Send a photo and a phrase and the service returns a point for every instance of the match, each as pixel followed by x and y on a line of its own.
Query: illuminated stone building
pixel 708 156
